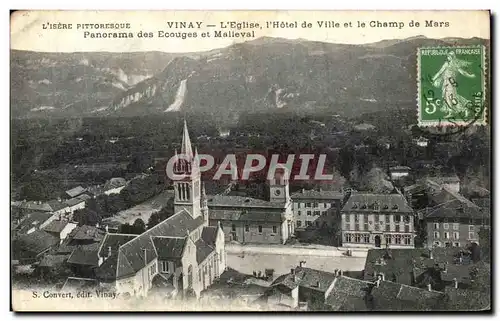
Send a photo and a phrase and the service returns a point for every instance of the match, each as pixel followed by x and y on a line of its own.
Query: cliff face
pixel 267 73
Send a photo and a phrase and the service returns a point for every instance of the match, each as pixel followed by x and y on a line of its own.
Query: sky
pixel 29 28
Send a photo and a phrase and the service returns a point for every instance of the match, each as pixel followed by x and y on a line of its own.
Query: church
pixel 180 256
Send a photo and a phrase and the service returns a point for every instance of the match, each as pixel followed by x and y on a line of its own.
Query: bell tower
pixel 187 190
pixel 279 191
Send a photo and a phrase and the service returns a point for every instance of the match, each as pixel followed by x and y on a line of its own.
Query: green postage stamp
pixel 451 86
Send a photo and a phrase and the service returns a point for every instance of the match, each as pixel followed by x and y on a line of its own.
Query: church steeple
pixel 186 148
pixel 187 190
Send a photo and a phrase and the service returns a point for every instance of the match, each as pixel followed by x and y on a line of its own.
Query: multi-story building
pixel 455 223
pixel 250 220
pixel 377 220
pixel 180 255
pixel 314 209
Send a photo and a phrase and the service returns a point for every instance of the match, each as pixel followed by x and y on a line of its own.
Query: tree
pixel 139 226
pixel 154 219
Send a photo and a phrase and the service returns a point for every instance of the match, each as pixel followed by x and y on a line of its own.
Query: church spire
pixel 186 148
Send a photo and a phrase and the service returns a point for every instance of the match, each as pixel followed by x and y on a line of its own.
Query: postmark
pixel 451 86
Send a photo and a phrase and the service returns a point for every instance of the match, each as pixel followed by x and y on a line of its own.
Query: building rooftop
pixel 348 294
pixel 455 209
pixel 131 255
pixel 466 300
pixel 85 255
pixel 317 195
pixel 241 201
pixel 113 240
pixel 34 243
pixel 306 277
pixel 34 219
pixel 377 202
pixel 75 191
pixel 394 296
pixel 55 226
pixel 115 182
pixel 169 248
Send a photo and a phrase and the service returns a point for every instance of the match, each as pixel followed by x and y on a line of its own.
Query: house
pixel 301 285
pixel 391 296
pixel 114 185
pixel 398 172
pixel 107 256
pixel 456 222
pixel 31 247
pixel 74 192
pixel 440 267
pixel 34 221
pixel 349 294
pixel 181 255
pixel 60 228
pixel 251 220
pixel 31 206
pixel 58 207
pixel 76 203
pixel 377 220
pixel 83 260
pixel 421 141
pixel 314 209
pixel 450 181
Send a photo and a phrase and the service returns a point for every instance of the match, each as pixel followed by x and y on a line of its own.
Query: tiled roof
pixel 395 296
pixel 209 234
pixel 169 247
pixel 35 206
pixel 33 220
pixel 35 242
pixel 306 277
pixel 466 300
pixel 51 260
pixel 227 215
pixel 348 294
pixel 387 203
pixel 75 191
pixel 114 240
pixel 240 201
pixel 131 255
pixel 56 205
pixel 259 216
pixel 317 195
pixel 87 232
pixel 77 200
pixel 203 250
pixel 55 226
pixel 85 255
pixel 107 270
pixel 455 209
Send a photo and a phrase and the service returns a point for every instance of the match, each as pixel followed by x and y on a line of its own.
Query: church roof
pixel 138 252
pixel 241 201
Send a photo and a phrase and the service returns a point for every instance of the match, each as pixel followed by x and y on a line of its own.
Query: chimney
pixel 429 287
pixel 336 272
pixel 341 273
pixel 377 283
pixel 109 251
pixel 445 270
pixel 430 254
pixel 318 284
pixel 292 271
pixel 455 283
pixel 303 190
pixel 382 276
pixel 107 229
pixel 302 263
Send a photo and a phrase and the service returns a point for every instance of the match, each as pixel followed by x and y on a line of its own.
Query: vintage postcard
pixel 250 161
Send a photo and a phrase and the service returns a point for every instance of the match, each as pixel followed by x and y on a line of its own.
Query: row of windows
pixel 456 226
pixel 447 244
pixel 377 227
pixel 311 223
pixel 313 204
pixel 397 218
pixel 259 228
pixel 309 213
pixel 456 235
pixel 389 239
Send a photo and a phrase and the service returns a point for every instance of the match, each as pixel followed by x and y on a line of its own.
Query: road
pixel 247 259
